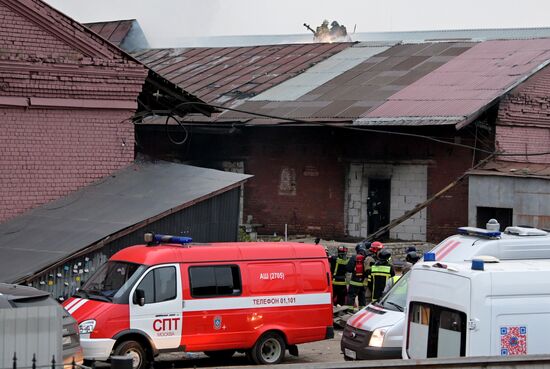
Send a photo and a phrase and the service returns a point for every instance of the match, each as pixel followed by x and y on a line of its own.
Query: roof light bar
pixel 164 238
pixel 478 232
pixel 429 256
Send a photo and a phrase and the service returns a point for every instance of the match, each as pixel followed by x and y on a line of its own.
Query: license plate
pixel 350 353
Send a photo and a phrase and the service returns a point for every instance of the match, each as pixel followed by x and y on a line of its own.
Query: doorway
pixel 378 205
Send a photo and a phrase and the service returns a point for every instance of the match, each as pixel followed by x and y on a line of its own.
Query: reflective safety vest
pixel 378 277
pixel 339 274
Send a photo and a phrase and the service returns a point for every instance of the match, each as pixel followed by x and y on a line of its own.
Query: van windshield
pixel 396 298
pixel 108 280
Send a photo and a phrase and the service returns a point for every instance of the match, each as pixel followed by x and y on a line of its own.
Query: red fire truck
pixel 261 298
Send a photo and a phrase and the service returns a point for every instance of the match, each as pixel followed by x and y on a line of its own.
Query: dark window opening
pixel 212 281
pixel 502 215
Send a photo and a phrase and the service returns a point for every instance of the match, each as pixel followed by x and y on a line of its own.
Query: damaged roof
pixel 468 84
pixel 52 232
pixel 222 76
pixel 357 90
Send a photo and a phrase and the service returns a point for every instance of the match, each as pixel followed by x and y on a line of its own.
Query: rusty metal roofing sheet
pixel 322 72
pixel 470 82
pixel 226 75
pixel 114 31
pixel 354 92
pixel 513 169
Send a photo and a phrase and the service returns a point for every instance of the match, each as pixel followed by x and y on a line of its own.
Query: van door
pixel 437 328
pixel 161 315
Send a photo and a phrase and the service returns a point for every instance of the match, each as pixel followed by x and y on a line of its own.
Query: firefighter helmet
pixel 412 257
pixel 384 254
pixel 342 250
pixel 376 246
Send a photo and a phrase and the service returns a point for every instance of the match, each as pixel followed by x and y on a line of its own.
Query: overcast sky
pixel 165 20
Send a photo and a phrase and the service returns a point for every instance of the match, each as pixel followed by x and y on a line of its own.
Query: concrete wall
pixel 528 197
pixel 408 188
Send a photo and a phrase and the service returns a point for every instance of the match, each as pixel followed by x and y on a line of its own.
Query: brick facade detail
pixel 523 123
pixel 66 97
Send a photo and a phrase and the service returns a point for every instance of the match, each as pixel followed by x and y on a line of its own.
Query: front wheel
pixel 133 350
pixel 269 349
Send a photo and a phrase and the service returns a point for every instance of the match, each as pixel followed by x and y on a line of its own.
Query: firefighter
pixel 356 266
pixel 338 267
pixel 399 268
pixel 379 274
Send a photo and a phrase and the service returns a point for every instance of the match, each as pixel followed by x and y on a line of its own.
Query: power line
pixel 332 124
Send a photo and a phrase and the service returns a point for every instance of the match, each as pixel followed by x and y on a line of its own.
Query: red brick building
pixel 66 96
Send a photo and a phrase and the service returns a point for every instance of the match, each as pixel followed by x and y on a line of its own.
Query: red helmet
pixel 376 246
pixel 342 249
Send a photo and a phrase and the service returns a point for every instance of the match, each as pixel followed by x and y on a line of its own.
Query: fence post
pixel 33 361
pixel 53 361
pixel 14 361
pixel 73 364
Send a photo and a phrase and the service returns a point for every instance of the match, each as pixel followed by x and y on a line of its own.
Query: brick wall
pixel 523 123
pixel 312 164
pixel 65 99
pixel 46 154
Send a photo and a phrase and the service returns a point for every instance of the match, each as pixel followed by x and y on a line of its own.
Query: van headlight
pixel 87 326
pixel 377 338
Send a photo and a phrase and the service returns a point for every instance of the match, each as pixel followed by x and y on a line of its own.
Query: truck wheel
pixel 134 350
pixel 220 354
pixel 269 349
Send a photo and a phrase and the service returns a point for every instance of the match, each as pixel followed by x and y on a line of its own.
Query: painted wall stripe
pixel 231 303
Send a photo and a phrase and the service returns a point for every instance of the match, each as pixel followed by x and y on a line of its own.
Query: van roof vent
pixel 525 231
pixel 487 258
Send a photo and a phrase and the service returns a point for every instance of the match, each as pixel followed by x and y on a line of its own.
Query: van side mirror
pixel 139 297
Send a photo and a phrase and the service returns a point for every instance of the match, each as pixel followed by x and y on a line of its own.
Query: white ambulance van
pixel 261 298
pixel 376 332
pixel 482 307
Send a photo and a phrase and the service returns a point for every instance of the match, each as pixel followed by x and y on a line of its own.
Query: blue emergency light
pixel 164 238
pixel 477 264
pixel 478 232
pixel 429 256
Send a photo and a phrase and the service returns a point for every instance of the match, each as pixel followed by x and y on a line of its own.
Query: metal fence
pixel 53 364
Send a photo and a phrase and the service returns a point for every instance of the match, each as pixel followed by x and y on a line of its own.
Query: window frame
pixel 154 272
pixel 230 266
pixel 434 326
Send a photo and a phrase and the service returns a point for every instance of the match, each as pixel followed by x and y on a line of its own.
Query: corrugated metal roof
pixel 144 190
pixel 513 169
pixel 225 75
pixel 358 90
pixel 470 82
pixel 408 121
pixel 322 72
pixel 401 36
pixel 114 31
